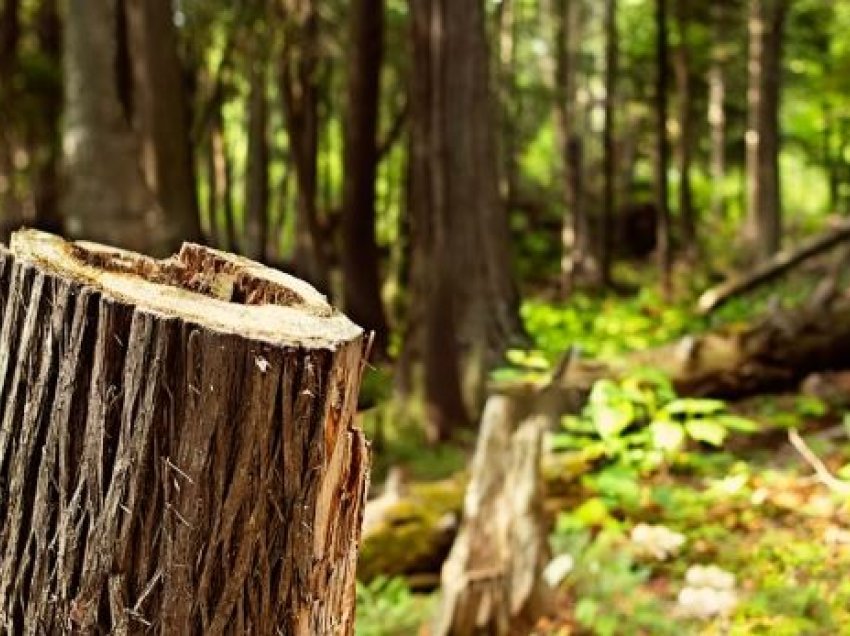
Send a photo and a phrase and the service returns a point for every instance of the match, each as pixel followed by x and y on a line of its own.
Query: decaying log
pixel 492 581
pixel 773 268
pixel 177 452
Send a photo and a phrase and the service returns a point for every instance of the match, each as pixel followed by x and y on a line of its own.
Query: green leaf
pixel 612 419
pixel 694 407
pixel 667 435
pixel 737 423
pixel 708 431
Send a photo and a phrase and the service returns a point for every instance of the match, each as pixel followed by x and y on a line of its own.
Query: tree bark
pixel 717 113
pixel 106 198
pixel 764 211
pixel 609 170
pixel 468 295
pixel 360 257
pixel 299 91
pixel 684 81
pixel 492 580
pixel 578 262
pixel 178 452
pixel 161 113
pixel 662 146
pixel 257 171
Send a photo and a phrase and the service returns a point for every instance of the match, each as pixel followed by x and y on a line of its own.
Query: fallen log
pixel 773 268
pixel 177 452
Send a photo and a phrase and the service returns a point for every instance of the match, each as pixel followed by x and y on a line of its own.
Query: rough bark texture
pixel 491 582
pixel 360 257
pixel 177 452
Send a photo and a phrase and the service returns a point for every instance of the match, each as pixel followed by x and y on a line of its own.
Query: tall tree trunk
pixel 257 171
pixel 360 257
pixel 161 113
pixel 46 181
pixel 456 206
pixel 173 461
pixel 764 212
pixel 300 94
pixel 609 172
pixel 682 66
pixel 717 113
pixel 577 254
pixel 106 198
pixel 507 23
pixel 10 33
pixel 662 150
pixel 223 176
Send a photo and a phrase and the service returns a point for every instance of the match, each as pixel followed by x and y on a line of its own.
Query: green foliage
pixel 387 607
pixel 639 421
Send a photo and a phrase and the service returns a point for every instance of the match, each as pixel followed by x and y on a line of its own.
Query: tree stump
pixel 177 448
pixel 492 581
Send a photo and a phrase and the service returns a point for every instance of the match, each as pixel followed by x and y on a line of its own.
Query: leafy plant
pixel 387 607
pixel 640 420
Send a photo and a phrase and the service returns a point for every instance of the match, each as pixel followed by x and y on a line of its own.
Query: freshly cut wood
pixel 773 268
pixel 177 449
pixel 492 580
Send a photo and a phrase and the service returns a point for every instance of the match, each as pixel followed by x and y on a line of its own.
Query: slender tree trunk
pixel 360 257
pixel 717 114
pixel 609 173
pixel 506 62
pixel 47 216
pixel 173 461
pixel 577 256
pixel 257 172
pixel 223 177
pixel 106 197
pixel 682 67
pixel 764 224
pixel 10 32
pixel 300 95
pixel 161 113
pixel 662 150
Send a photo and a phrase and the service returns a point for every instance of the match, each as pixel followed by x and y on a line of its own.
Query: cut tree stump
pixel 177 449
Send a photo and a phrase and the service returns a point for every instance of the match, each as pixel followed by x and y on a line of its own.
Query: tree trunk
pixel 106 198
pixel 578 261
pixel 764 212
pixel 717 114
pixel 257 171
pixel 178 451
pixel 682 66
pixel 10 33
pixel 46 180
pixel 161 113
pixel 360 257
pixel 299 90
pixel 609 171
pixel 469 299
pixel 662 150
pixel 223 190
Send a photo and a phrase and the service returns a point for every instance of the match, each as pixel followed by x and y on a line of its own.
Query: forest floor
pixel 734 496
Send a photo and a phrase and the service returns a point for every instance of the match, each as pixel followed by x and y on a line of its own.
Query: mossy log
pixel 177 448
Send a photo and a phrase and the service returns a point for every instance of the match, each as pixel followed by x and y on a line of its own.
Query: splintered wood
pixel 177 449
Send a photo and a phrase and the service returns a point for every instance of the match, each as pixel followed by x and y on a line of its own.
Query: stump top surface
pixel 214 289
